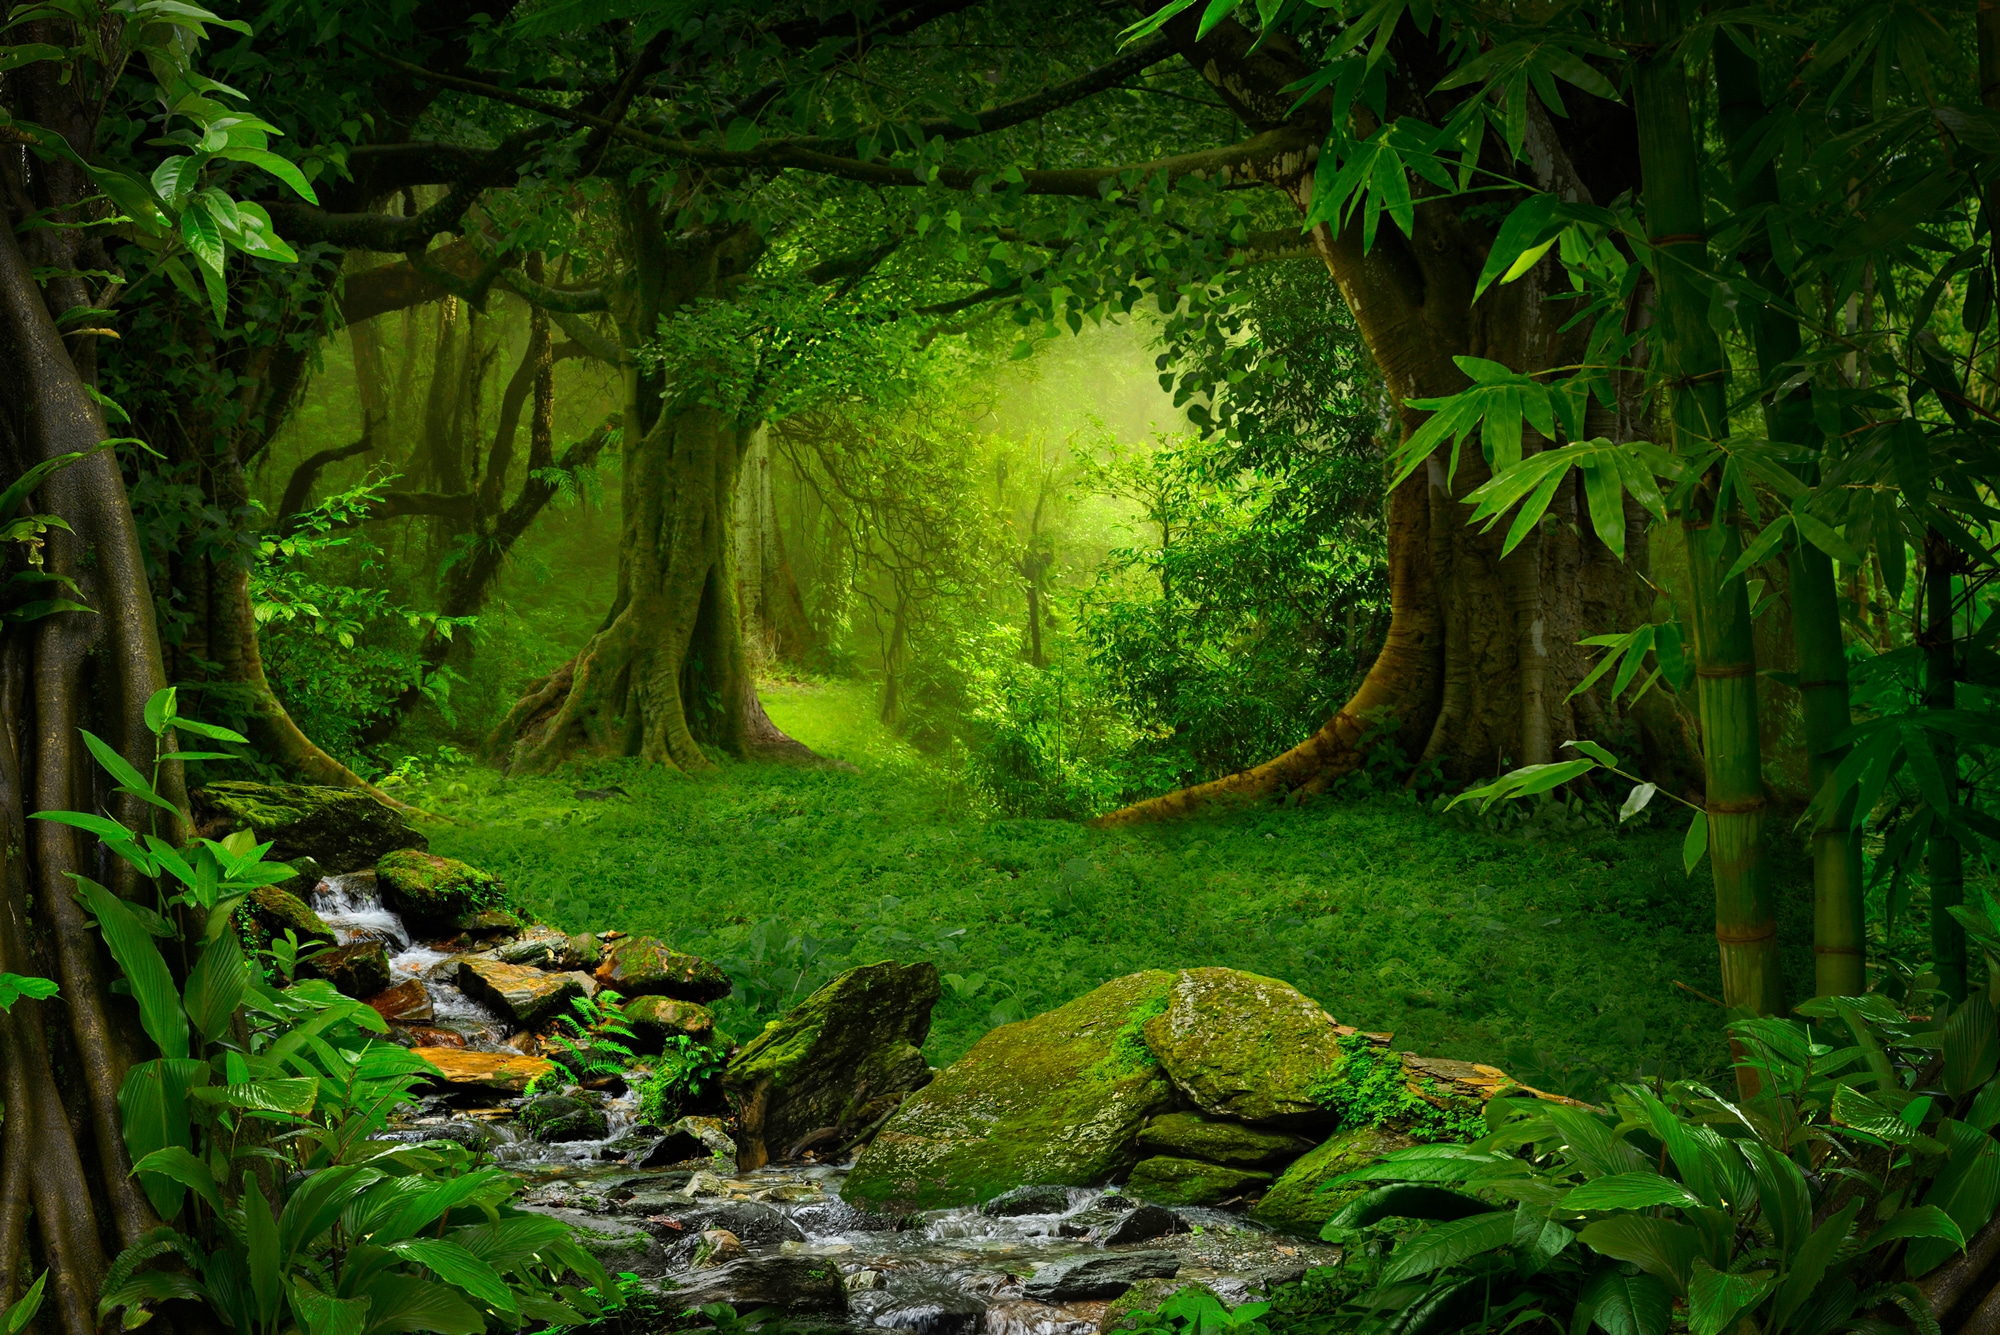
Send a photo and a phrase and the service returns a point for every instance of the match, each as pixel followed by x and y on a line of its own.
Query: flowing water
pixel 945 1272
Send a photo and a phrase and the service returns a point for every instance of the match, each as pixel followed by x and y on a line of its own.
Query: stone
pixel 306 873
pixel 528 997
pixel 342 829
pixel 1251 1048
pixel 841 1058
pixel 705 1184
pixel 408 1002
pixel 543 947
pixel 692 1138
pixel 1038 1199
pixel 754 1222
pixel 431 892
pixel 585 952
pixel 273 910
pixel 1142 1225
pixel 556 1119
pixel 1146 1296
pixel 620 1247
pixel 867 1281
pixel 430 1036
pixel 507 1072
pixel 833 1215
pixel 791 1283
pixel 642 966
pixel 359 970
pixel 486 923
pixel 475 1136
pixel 654 1020
pixel 1295 1203
pixel 1189 1135
pixel 1021 1317
pixel 1098 1275
pixel 718 1246
pixel 1055 1099
pixel 1173 1181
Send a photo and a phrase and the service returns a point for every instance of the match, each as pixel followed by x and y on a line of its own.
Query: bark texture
pixel 1480 656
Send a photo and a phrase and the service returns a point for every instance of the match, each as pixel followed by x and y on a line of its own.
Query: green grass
pixel 1555 958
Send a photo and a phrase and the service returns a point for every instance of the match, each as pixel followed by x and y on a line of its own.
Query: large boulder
pixel 1098 1275
pixel 1172 1181
pixel 1301 1201
pixel 358 970
pixel 274 911
pixel 342 829
pixel 643 966
pixel 408 1002
pixel 654 1020
pixel 555 1119
pixel 1055 1099
pixel 841 1058
pixel 1246 1047
pixel 501 1072
pixel 433 893
pixel 526 996
pixel 1189 1135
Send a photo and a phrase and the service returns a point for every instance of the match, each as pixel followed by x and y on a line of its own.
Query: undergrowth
pixel 1370 1088
pixel 1556 958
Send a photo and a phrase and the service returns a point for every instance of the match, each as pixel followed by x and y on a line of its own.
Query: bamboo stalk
pixel 1692 363
pixel 1947 858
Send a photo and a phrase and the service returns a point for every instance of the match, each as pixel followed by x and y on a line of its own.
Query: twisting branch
pixel 298 491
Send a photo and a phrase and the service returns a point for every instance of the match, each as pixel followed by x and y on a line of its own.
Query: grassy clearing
pixel 1556 957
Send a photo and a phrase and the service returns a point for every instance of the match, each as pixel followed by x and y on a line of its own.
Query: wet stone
pixel 1033 1318
pixel 1028 1200
pixel 1142 1225
pixel 795 1283
pixel 1098 1275
pixel 832 1215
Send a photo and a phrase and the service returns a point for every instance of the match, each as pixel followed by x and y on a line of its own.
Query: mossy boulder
pixel 433 893
pixel 1296 1202
pixel 359 971
pixel 342 829
pixel 1246 1047
pixel 1055 1099
pixel 654 1020
pixel 1170 1181
pixel 841 1058
pixel 527 996
pixel 273 911
pixel 555 1119
pixel 1189 1135
pixel 643 966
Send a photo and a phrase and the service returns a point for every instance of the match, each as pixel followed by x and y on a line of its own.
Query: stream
pixel 782 1236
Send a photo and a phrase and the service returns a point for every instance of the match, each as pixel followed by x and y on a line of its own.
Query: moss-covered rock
pixel 643 966
pixel 654 1020
pixel 1251 1048
pixel 1189 1135
pixel 527 996
pixel 1296 1203
pixel 585 952
pixel 433 893
pixel 1055 1099
pixel 555 1119
pixel 840 1058
pixel 359 971
pixel 1171 1181
pixel 342 829
pixel 272 911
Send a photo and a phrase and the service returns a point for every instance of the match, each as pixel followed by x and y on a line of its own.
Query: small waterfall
pixel 351 905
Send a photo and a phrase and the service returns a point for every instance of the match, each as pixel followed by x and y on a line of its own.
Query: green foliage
pixel 253 1131
pixel 683 1072
pixel 1554 958
pixel 596 1040
pixel 1371 1088
pixel 25 594
pixel 14 986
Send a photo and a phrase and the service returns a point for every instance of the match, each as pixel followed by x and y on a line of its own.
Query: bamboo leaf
pixel 1695 844
pixel 1636 800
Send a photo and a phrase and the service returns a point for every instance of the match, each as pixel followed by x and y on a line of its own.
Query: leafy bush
pixel 596 1040
pixel 685 1071
pixel 1371 1088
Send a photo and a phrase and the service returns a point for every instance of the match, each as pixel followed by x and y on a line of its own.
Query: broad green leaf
pixel 1694 845
pixel 1715 1297
pixel 282 168
pixel 455 1265
pixel 398 1302
pixel 216 985
pixel 1918 1221
pixel 1630 1191
pixel 1809 1262
pixel 16 1315
pixel 153 1115
pixel 130 780
pixel 160 709
pixel 1660 1247
pixel 14 986
pixel 294 1095
pixel 1449 1244
pixel 1407 1202
pixel 131 945
pixel 179 1164
pixel 1622 1304
pixel 321 1314
pixel 260 1237
pixel 1636 800
pixel 1594 751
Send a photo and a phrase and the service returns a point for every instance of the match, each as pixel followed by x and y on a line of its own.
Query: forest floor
pixel 1555 956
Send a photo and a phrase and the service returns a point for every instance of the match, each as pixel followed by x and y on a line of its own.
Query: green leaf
pixel 27 53
pixel 1971 1046
pixel 455 1265
pixel 1407 1202
pixel 1449 1244
pixel 178 1164
pixel 1630 1191
pixel 14 986
pixel 153 1114
pixel 160 709
pixel 1636 800
pixel 406 1303
pixel 295 1095
pixel 282 168
pixel 1918 1221
pixel 16 1316
pixel 216 985
pixel 131 945
pixel 1594 751
pixel 26 484
pixel 211 731
pixel 1622 1304
pixel 130 780
pixel 1694 846
pixel 1660 1247
pixel 260 1238
pixel 321 1314
pixel 1715 1297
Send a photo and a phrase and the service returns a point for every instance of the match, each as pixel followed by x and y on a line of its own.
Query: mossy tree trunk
pixel 667 669
pixel 1481 654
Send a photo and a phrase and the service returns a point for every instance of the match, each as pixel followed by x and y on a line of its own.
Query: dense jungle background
pixel 655 540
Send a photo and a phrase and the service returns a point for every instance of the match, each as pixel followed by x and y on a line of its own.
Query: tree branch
pixel 298 491
pixel 380 231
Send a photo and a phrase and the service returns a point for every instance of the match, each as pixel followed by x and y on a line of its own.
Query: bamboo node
pixel 1679 238
pixel 1726 671
pixel 1743 808
pixel 1762 932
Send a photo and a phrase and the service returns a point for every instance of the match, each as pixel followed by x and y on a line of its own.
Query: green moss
pixel 434 892
pixel 1370 1088
pixel 1189 1135
pixel 1300 1201
pixel 1045 1100
pixel 1128 1050
pixel 1166 1180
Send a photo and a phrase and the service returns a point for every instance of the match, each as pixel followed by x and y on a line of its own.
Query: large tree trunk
pixel 667 670
pixel 1481 653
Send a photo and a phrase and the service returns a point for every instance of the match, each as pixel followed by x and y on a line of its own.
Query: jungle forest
pixel 986 667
